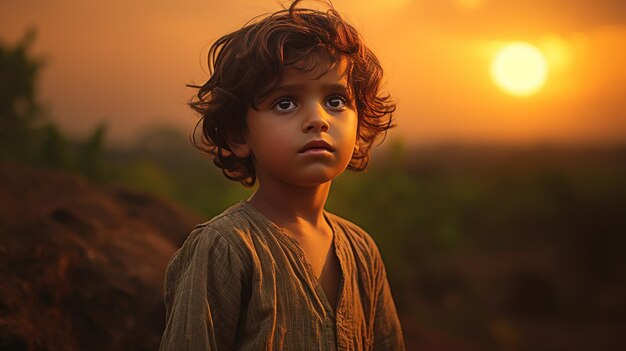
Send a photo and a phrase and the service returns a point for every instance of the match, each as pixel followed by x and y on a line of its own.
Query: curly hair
pixel 247 64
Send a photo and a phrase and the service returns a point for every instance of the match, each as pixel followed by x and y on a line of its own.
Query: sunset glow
pixel 451 66
pixel 519 69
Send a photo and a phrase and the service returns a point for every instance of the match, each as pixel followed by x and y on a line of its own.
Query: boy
pixel 293 100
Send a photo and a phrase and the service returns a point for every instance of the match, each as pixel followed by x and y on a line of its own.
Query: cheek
pixel 347 137
pixel 259 131
pixel 351 129
pixel 270 140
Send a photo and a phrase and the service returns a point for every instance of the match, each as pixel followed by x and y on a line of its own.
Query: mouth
pixel 316 146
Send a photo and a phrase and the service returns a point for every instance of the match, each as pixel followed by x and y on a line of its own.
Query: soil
pixel 82 265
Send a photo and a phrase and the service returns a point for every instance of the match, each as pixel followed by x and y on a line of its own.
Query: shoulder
pixel 214 255
pixel 228 231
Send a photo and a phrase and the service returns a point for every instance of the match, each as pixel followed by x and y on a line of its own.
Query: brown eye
pixel 284 105
pixel 336 102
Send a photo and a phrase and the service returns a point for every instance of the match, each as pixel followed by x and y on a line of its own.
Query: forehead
pixel 320 70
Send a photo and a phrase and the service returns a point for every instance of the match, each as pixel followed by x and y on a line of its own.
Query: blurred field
pixel 497 248
pixel 486 247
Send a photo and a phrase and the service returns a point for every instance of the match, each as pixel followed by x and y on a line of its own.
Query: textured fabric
pixel 241 283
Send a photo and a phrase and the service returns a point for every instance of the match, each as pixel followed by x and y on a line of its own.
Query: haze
pixel 127 63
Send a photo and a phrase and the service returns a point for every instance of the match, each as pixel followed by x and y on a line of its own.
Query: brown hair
pixel 249 62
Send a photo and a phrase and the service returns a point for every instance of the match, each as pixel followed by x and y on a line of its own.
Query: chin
pixel 312 181
pixel 315 177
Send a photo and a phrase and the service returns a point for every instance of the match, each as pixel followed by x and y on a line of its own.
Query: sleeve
pixel 204 283
pixel 387 330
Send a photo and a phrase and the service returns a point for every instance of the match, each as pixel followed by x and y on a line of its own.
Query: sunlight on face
pixel 304 108
pixel 519 69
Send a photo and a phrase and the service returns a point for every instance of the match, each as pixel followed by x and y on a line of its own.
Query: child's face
pixel 300 112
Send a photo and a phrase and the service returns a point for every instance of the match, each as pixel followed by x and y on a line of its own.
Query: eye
pixel 284 104
pixel 336 102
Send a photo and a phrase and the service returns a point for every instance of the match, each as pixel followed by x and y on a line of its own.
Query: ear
pixel 239 146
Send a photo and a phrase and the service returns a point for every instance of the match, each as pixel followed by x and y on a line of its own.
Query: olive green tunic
pixel 241 283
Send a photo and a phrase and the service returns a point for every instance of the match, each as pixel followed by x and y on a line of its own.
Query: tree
pixel 19 104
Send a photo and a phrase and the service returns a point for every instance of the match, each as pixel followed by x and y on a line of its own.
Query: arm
pixel 203 288
pixel 387 329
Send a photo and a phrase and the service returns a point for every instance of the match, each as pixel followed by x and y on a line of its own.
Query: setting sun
pixel 519 69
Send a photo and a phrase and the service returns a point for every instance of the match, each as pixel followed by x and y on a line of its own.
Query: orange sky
pixel 127 62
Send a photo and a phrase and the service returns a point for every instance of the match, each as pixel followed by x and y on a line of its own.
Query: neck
pixel 291 206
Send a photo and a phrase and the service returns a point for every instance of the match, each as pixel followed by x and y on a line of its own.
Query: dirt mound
pixel 82 265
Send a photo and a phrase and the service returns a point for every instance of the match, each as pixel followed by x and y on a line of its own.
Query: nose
pixel 316 120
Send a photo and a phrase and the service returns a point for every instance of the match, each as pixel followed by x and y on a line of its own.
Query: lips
pixel 316 145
